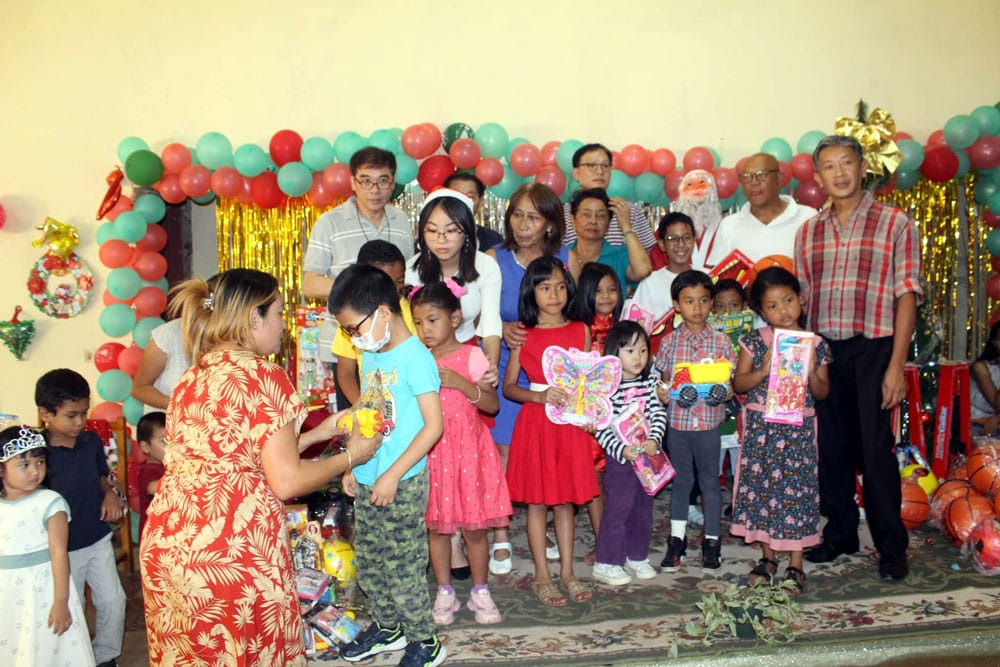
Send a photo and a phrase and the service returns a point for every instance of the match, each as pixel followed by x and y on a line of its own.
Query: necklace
pixel 378 230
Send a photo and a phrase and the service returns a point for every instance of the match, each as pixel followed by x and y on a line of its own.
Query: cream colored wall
pixel 77 77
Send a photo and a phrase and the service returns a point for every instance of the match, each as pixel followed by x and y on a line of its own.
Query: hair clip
pixel 209 302
pixel 27 438
pixel 455 288
pixel 413 290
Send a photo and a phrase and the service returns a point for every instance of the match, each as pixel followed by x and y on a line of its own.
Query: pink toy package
pixel 791 362
pixel 631 427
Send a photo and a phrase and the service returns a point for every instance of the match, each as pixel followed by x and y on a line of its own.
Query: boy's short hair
pixel 363 288
pixel 147 426
pixel 460 176
pixel 673 218
pixel 379 252
pixel 59 386
pixel 727 284
pixel 691 278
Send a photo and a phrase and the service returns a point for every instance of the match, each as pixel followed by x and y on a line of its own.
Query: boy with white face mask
pixel 400 378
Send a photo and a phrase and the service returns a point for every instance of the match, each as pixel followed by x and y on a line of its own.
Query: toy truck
pixel 706 380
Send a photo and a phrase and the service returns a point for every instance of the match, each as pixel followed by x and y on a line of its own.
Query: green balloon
pixel 779 148
pixel 105 232
pixel 564 154
pixel 386 140
pixel 114 385
pixel 123 283
pixel 993 242
pixel 505 188
pixel 161 284
pixel 988 120
pixel 809 140
pixel 492 139
pixel 117 320
pixel 214 150
pixel 963 163
pixel 150 207
pixel 250 160
pixel 716 158
pixel 143 167
pixel 648 187
pixel 130 226
pixel 206 198
pixel 317 153
pixel 406 168
pixel 133 410
pixel 905 180
pixel 961 132
pixel 514 143
pixel 347 144
pixel 294 179
pixel 129 145
pixel 621 185
pixel 913 154
pixel 994 204
pixel 454 132
pixel 143 329
pixel 985 189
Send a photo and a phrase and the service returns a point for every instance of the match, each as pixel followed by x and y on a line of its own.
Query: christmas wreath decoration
pixel 68 298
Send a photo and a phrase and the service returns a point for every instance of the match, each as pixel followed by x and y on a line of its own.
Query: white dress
pixel 26 583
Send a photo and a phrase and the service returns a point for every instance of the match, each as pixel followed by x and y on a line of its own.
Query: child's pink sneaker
pixel 481 602
pixel 445 607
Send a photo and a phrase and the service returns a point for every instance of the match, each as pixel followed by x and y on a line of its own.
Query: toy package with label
pixel 788 382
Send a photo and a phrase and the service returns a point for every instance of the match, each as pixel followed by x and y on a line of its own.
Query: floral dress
pixel 776 489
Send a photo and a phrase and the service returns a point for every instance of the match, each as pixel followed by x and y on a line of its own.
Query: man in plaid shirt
pixel 859 264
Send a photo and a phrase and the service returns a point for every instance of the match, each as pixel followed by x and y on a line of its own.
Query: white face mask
pixel 367 342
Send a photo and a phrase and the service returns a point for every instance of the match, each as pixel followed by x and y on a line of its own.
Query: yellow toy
pixel 369 421
pixel 707 379
pixel 338 560
pixel 922 476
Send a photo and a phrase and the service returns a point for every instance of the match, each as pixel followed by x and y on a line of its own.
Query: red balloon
pixel 433 171
pixel 123 204
pixel 662 161
pixel 155 238
pixel 285 147
pixel 990 218
pixel 3 216
pixel 150 266
pixel 150 301
pixel 245 196
pixel 995 317
pixel 740 164
pixel 418 141
pixel 129 359
pixel 672 184
pixel 319 195
pixel 109 300
pixel 115 253
pixel 489 171
pixel 616 160
pixel 726 182
pixel 784 173
pixel 634 159
pixel 106 356
pixel 698 157
pixel 525 159
pixel 465 153
pixel 337 179
pixel 936 139
pixel 993 286
pixel 196 180
pixel 995 263
pixel 985 153
pixel 810 193
pixel 802 167
pixel 940 164
pixel 553 177
pixel 169 188
pixel 107 411
pixel 548 151
pixel 226 182
pixel 265 191
pixel 899 136
pixel 175 158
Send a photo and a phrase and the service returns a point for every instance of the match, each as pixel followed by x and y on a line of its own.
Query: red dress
pixel 216 569
pixel 467 484
pixel 549 464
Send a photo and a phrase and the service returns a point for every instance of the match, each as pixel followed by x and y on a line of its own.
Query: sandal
pixel 500 565
pixel 548 594
pixel 797 577
pixel 764 570
pixel 576 590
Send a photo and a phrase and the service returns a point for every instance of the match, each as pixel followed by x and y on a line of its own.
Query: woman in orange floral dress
pixel 216 569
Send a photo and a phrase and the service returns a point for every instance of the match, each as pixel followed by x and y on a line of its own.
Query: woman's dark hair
pixel 990 351
pixel 584 306
pixel 547 203
pixel 592 193
pixel 438 295
pixel 624 333
pixel 428 266
pixel 363 288
pixel 540 270
pixel 773 276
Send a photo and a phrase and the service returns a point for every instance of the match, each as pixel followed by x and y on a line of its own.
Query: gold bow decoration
pixel 58 236
pixel 875 136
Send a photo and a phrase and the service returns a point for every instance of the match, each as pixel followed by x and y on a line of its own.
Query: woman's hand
pixel 60 619
pixel 619 209
pixel 513 334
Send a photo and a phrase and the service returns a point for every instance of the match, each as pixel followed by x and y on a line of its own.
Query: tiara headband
pixel 438 193
pixel 27 438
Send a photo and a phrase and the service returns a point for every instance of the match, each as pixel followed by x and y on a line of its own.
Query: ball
pixel 984 470
pixel 964 514
pixel 947 492
pixel 984 545
pixel 338 560
pixel 922 476
pixel 784 261
pixel 915 506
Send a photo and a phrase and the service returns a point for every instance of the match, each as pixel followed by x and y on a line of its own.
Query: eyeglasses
pixel 449 234
pixel 596 166
pixel 756 176
pixel 685 239
pixel 356 329
pixel 382 182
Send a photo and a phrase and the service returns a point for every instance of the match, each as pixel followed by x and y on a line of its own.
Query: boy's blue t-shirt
pixel 75 473
pixel 398 377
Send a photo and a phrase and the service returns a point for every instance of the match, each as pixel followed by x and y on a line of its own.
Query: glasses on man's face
pixel 449 234
pixel 596 166
pixel 355 330
pixel 382 182
pixel 683 239
pixel 756 176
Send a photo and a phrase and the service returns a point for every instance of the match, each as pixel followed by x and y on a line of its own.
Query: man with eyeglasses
pixel 592 169
pixel 767 223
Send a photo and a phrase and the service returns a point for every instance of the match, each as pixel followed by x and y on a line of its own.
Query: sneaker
pixel 695 516
pixel 482 605
pixel 374 640
pixel 445 606
pixel 424 654
pixel 711 554
pixel 676 551
pixel 612 575
pixel 640 569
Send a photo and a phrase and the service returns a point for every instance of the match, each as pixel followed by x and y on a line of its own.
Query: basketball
pixel 964 514
pixel 915 506
pixel 958 468
pixel 947 492
pixel 984 545
pixel 922 476
pixel 984 470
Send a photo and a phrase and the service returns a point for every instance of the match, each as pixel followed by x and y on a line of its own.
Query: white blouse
pixel 481 299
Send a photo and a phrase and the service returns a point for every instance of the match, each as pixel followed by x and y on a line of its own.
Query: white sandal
pixel 500 566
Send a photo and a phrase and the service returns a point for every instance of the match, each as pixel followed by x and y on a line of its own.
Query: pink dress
pixel 468 488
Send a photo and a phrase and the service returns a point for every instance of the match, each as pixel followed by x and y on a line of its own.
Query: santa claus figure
pixel 699 200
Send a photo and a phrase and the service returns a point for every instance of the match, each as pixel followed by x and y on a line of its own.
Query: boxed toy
pixel 314 378
pixel 788 382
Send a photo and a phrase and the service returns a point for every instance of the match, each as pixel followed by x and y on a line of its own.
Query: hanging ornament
pixel 17 334
pixel 68 297
pixel 114 193
pixel 58 236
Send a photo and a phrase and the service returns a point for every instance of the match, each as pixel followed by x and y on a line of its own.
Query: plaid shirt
pixel 851 275
pixel 680 346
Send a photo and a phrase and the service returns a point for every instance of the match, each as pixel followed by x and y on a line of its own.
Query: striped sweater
pixel 631 391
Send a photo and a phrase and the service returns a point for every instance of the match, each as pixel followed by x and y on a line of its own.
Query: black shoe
pixel 374 640
pixel 461 573
pixel 711 554
pixel 828 552
pixel 893 568
pixel 676 550
pixel 424 654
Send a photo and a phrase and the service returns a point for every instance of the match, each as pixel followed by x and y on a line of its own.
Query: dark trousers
pixel 627 522
pixel 695 455
pixel 855 434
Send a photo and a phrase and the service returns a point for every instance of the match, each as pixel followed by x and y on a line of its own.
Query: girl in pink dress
pixel 467 486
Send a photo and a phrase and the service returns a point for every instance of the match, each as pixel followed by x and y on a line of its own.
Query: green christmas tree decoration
pixel 17 334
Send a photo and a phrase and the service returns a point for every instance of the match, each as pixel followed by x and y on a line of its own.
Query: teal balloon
pixel 129 145
pixel 963 163
pixel 150 207
pixel 716 158
pixel 214 150
pixel 492 139
pixel 114 385
pixel 809 141
pixel 317 153
pixel 648 187
pixel 905 180
pixel 993 242
pixel 206 198
pixel 621 185
pixel 386 140
pixel 398 131
pixel 779 148
pixel 564 154
pixel 514 143
pixel 985 189
pixel 161 284
pixel 194 156
pixel 961 132
pixel 105 232
pixel 454 132
pixel 143 167
pixel 130 226
pixel 250 160
pixel 913 154
pixel 406 168
pixel 994 203
pixel 347 144
pixel 294 179
pixel 117 320
pixel 143 328
pixel 987 118
pixel 663 200
pixel 133 409
pixel 510 182
pixel 123 283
